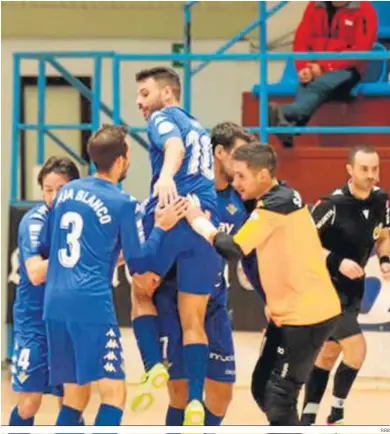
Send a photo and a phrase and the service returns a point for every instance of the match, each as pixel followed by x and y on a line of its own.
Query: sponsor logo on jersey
pixel 221 358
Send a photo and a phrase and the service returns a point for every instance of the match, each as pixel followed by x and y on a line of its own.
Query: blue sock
pixel 211 419
pixel 16 420
pixel 195 359
pixel 68 416
pixel 148 340
pixel 108 415
pixel 174 417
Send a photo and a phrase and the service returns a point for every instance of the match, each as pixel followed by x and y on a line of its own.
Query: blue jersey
pixel 232 214
pixel 28 305
pixel 196 172
pixel 91 220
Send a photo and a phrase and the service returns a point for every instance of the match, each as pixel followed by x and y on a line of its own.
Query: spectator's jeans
pixel 331 85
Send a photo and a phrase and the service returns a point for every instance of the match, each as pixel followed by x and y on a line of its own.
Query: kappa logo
pixel 112 343
pixel 109 367
pixel 110 356
pixel 111 333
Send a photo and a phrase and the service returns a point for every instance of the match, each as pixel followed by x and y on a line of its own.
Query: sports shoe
pixel 194 414
pixel 333 421
pixel 156 378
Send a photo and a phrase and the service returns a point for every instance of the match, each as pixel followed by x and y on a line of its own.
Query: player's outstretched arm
pixel 249 237
pixel 138 252
pixel 165 187
pixel 166 136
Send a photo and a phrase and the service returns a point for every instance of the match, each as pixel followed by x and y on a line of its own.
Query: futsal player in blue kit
pixel 182 163
pixel 30 371
pixel 91 221
pixel 225 138
pixel 220 376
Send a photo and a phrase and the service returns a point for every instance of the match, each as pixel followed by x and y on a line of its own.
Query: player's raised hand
pixel 385 269
pixel 351 269
pixel 165 189
pixel 167 216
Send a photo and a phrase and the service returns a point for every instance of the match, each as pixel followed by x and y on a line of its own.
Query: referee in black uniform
pixel 351 222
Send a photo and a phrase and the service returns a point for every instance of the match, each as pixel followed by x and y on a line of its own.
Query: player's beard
pixel 123 174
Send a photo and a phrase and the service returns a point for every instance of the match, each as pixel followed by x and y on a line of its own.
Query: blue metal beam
pixel 46 127
pixel 263 71
pixel 84 90
pixel 228 44
pixel 66 148
pixel 367 55
pixel 41 110
pixel 15 153
pixel 187 64
pixel 64 54
pixel 237 37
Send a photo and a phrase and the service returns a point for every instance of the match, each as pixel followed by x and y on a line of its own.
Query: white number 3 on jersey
pixel 72 222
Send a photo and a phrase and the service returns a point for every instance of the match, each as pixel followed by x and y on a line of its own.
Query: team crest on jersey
pixel 377 231
pixel 22 377
pixel 231 208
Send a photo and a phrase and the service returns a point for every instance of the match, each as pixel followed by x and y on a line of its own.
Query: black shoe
pixel 308 419
pixel 276 118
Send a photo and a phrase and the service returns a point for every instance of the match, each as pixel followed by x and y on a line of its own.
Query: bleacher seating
pixel 383 11
pixel 374 82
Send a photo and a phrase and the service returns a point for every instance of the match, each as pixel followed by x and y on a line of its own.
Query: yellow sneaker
pixel 194 414
pixel 155 378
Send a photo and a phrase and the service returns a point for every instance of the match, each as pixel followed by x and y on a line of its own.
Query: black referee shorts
pixel 346 326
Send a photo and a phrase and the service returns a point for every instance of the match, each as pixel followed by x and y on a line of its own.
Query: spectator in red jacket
pixel 342 26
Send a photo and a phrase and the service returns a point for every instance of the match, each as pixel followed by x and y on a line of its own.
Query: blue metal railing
pixel 186 59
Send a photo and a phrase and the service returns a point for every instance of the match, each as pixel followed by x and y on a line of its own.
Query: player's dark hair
pixel 161 73
pixel 226 134
pixel 59 165
pixel 257 156
pixel 106 145
pixel 367 149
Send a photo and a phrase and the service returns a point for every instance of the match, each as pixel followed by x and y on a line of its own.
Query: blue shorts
pixel 191 253
pixel 221 366
pixel 30 367
pixel 81 353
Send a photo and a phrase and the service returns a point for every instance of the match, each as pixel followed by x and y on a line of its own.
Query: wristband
pixel 384 260
pixel 204 227
pixel 333 262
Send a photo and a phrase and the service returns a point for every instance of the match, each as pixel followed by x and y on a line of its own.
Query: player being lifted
pixel 30 371
pixel 351 222
pixel 90 222
pixel 301 300
pixel 182 162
